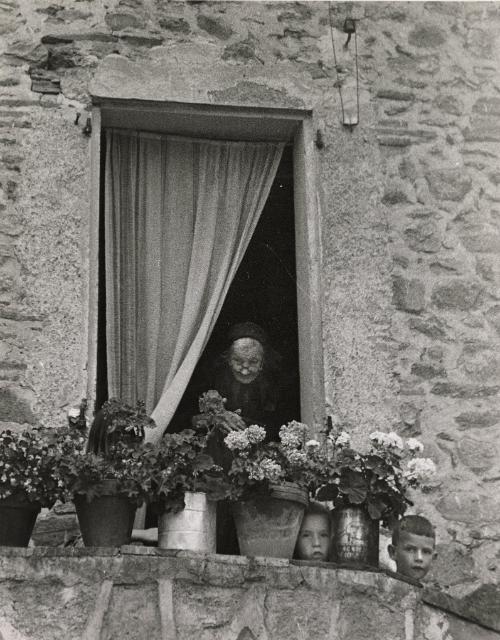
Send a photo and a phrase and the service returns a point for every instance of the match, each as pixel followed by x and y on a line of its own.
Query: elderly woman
pixel 247 375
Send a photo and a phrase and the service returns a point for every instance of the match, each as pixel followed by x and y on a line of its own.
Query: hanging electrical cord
pixel 337 83
pixel 357 72
pixel 349 27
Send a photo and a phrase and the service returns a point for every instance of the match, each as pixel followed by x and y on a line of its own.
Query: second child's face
pixel 413 554
pixel 314 537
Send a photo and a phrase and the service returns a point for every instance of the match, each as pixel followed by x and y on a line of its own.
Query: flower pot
pixel 107 520
pixel 268 525
pixel 355 537
pixel 17 520
pixel 193 528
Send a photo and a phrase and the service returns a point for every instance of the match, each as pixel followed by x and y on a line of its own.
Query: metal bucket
pixel 193 528
pixel 356 537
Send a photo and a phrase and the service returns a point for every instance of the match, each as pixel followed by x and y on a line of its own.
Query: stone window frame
pixel 236 123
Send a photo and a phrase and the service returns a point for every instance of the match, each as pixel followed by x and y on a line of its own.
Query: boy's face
pixel 246 357
pixel 314 537
pixel 413 554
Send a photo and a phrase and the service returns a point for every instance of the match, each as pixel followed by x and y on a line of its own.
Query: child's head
pixel 413 546
pixel 313 542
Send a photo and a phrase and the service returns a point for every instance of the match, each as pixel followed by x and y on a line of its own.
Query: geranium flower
pixel 237 440
pixel 414 445
pixel 267 469
pixel 293 434
pixel 255 433
pixel 420 470
pixel 343 439
pixel 384 439
pixel 312 443
pixel 296 457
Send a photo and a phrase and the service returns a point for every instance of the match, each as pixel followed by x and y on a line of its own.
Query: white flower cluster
pixel 255 434
pixel 243 439
pixel 389 440
pixel 266 469
pixel 296 457
pixel 420 470
pixel 237 440
pixel 293 434
pixel 313 444
pixel 343 439
pixel 414 445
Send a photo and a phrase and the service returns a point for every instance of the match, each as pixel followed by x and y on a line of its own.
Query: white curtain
pixel 179 214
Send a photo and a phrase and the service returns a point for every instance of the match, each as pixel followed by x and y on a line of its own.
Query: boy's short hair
pixel 418 525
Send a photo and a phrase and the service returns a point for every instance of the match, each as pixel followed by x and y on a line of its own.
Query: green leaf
pixel 354 486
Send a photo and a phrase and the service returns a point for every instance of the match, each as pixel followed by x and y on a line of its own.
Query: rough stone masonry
pixel 410 204
pixel 134 593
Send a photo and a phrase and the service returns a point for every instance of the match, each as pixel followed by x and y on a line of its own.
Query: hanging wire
pixel 338 82
pixel 357 72
pixel 335 58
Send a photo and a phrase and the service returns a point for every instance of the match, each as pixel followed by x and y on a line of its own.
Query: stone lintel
pixel 174 79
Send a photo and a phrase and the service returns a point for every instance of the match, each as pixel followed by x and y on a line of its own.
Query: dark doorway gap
pixel 101 365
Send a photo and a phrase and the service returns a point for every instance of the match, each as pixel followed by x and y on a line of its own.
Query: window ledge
pixel 150 592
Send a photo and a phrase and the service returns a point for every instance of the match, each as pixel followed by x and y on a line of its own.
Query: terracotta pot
pixel 17 520
pixel 107 520
pixel 268 525
pixel 355 537
pixel 193 528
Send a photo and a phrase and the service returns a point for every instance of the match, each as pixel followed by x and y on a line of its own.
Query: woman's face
pixel 246 357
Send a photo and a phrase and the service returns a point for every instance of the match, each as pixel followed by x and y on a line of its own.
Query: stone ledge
pixel 461 608
pixel 143 567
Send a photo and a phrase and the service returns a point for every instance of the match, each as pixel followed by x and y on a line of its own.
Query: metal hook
pixel 87 129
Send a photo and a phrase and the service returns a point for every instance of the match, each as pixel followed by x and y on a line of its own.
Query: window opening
pixel 302 351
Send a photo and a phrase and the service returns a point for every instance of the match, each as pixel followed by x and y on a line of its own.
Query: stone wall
pixel 136 593
pixel 409 200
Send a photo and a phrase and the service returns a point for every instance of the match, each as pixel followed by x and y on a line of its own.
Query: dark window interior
pixel 101 366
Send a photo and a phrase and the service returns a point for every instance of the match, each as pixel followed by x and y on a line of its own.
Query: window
pixel 237 124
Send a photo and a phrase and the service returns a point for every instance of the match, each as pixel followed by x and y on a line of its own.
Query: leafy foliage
pixel 378 479
pixel 118 422
pixel 127 423
pixel 82 472
pixel 115 436
pixel 159 474
pixel 214 416
pixel 27 466
pixel 180 463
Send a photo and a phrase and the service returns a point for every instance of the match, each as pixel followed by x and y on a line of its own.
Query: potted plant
pixel 104 477
pixel 269 488
pixel 366 487
pixel 182 484
pixel 182 481
pixel 28 482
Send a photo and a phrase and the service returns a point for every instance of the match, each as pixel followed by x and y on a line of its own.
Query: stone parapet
pixel 143 592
